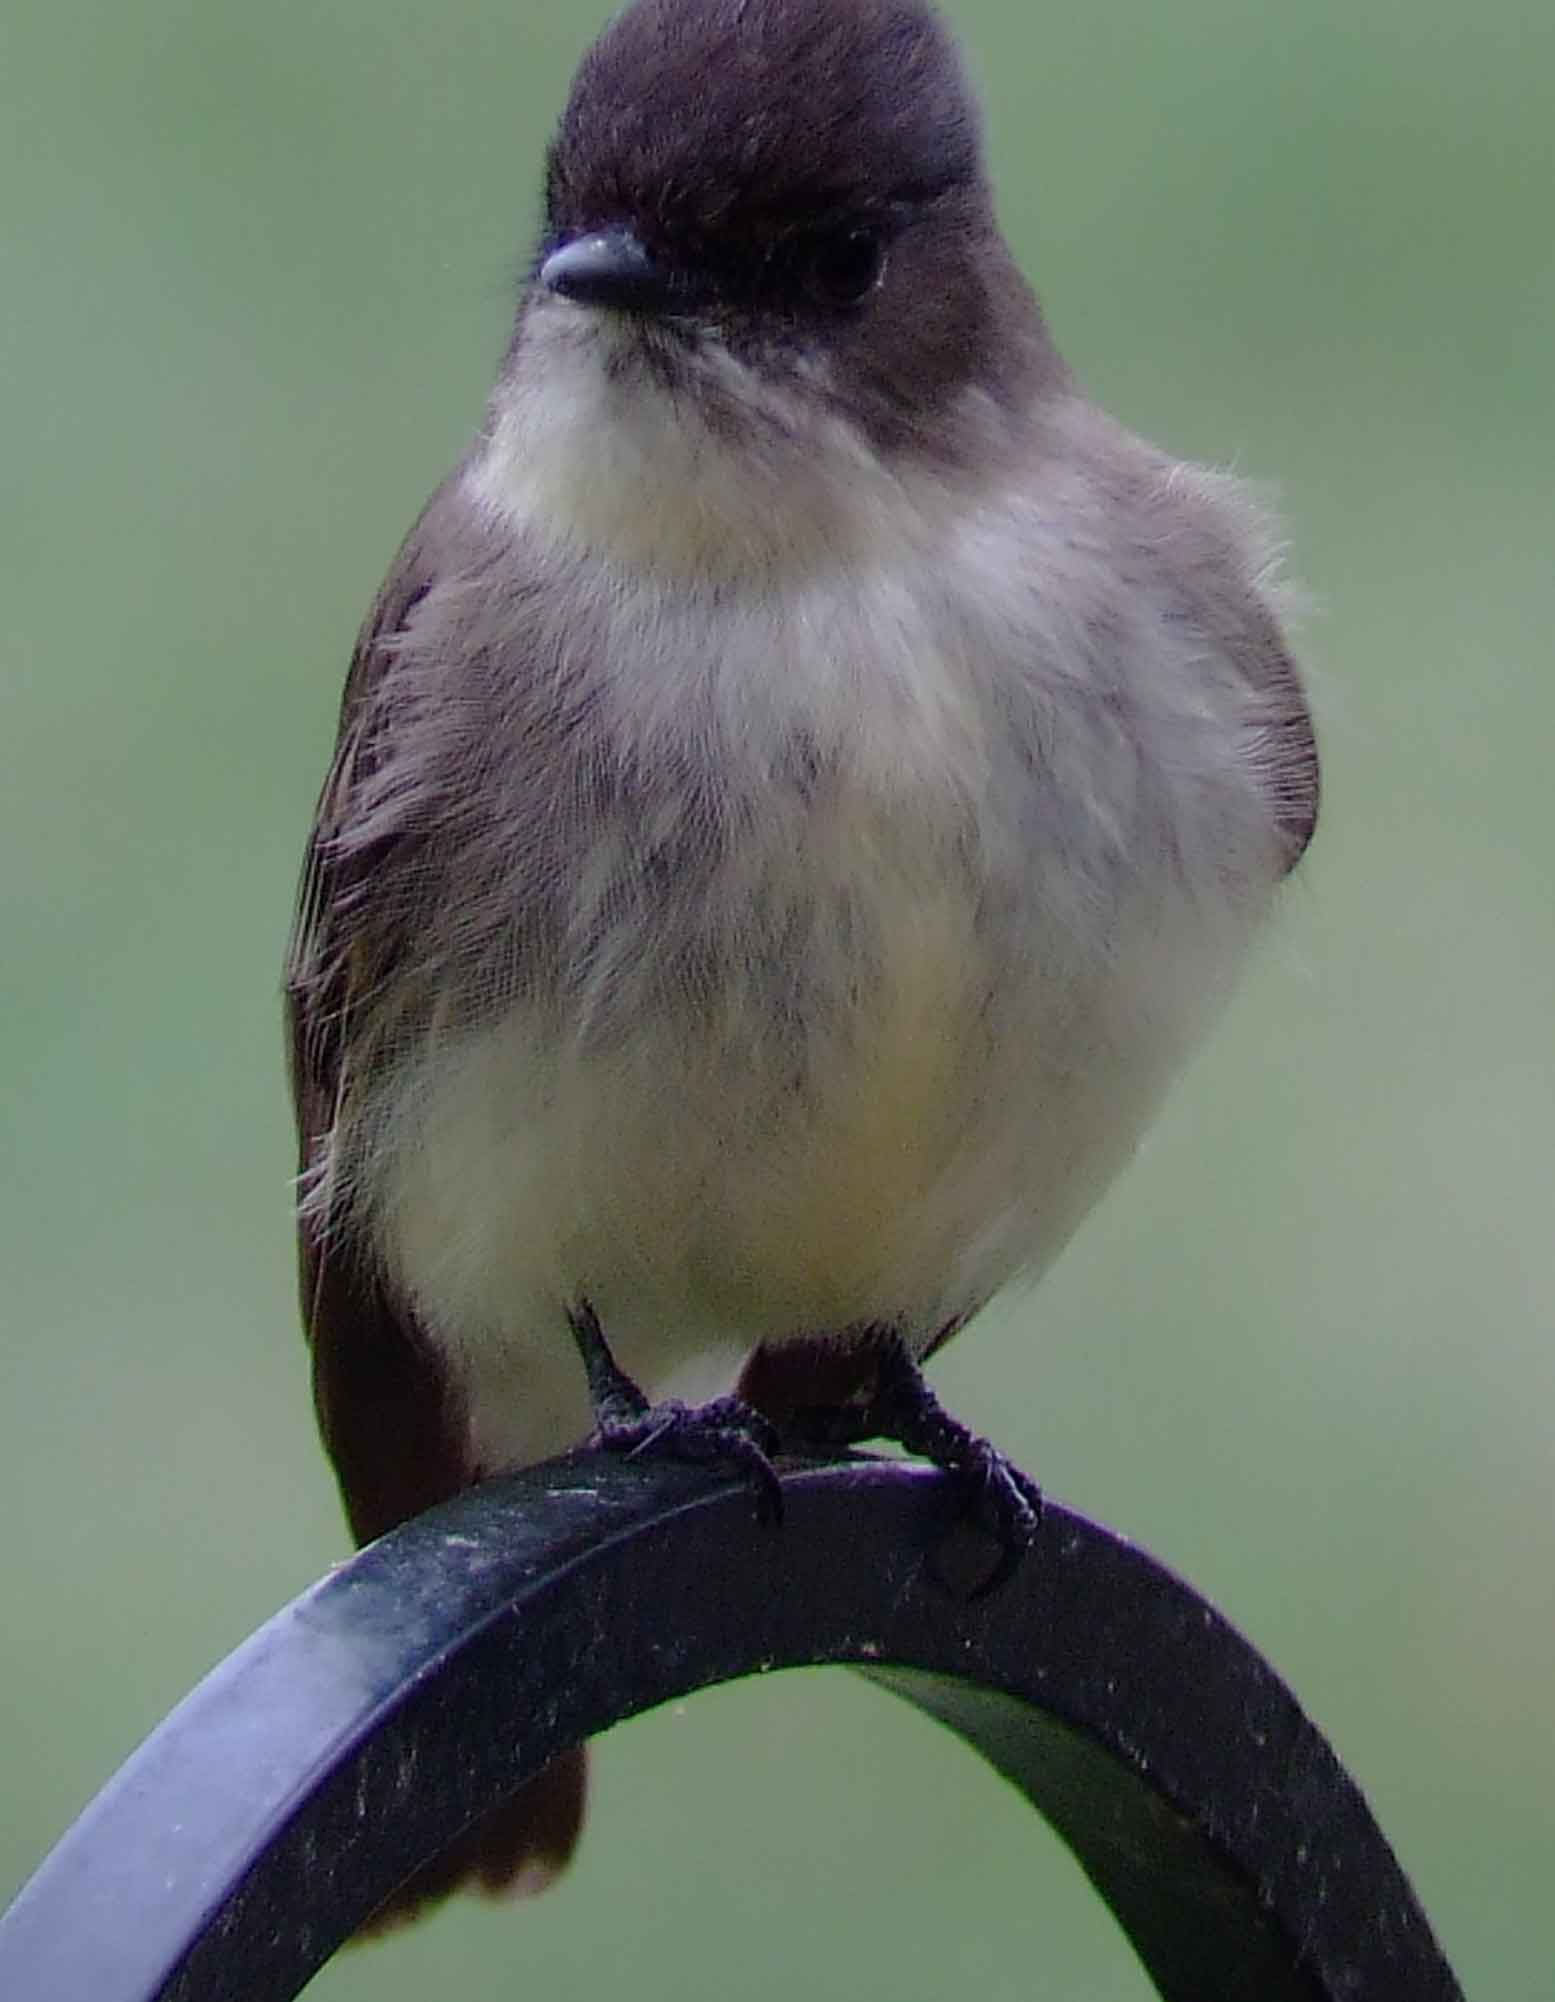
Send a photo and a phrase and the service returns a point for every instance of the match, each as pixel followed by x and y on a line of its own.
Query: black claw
pixel 1007 1504
pixel 999 1497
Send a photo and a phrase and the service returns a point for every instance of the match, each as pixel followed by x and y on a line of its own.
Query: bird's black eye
pixel 841 267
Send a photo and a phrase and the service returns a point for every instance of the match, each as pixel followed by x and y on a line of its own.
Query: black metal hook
pixel 359 1730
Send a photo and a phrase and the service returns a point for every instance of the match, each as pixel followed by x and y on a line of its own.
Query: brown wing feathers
pixel 389 1415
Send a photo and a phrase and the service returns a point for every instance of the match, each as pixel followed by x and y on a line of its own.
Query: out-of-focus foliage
pixel 256 265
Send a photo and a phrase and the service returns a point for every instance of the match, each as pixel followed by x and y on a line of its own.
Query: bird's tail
pixel 516 1850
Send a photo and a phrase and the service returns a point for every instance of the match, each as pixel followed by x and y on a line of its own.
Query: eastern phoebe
pixel 806 783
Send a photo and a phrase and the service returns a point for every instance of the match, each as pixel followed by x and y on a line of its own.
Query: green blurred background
pixel 257 268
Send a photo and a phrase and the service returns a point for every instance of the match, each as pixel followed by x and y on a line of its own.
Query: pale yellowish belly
pixel 937 1123
pixel 824 1221
pixel 708 1180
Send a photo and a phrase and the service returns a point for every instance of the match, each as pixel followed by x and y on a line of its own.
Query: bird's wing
pixel 1285 745
pixel 389 1414
pixel 386 1409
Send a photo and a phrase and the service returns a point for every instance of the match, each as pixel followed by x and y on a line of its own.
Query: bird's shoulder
pixel 375 814
pixel 1213 545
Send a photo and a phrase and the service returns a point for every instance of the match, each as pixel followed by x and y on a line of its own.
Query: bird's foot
pixel 726 1429
pixel 1000 1498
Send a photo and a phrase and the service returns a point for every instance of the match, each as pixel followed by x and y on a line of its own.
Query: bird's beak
pixel 611 268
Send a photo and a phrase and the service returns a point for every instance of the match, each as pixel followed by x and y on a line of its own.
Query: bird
pixel 808 781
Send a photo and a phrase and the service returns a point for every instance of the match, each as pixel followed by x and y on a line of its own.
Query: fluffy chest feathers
pixel 814 955
pixel 759 1007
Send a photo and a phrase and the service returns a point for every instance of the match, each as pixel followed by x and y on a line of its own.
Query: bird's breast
pixel 863 965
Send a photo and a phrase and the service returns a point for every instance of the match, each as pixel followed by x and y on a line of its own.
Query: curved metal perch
pixel 355 1734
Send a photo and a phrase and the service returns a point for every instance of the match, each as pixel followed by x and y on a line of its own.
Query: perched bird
pixel 805 785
